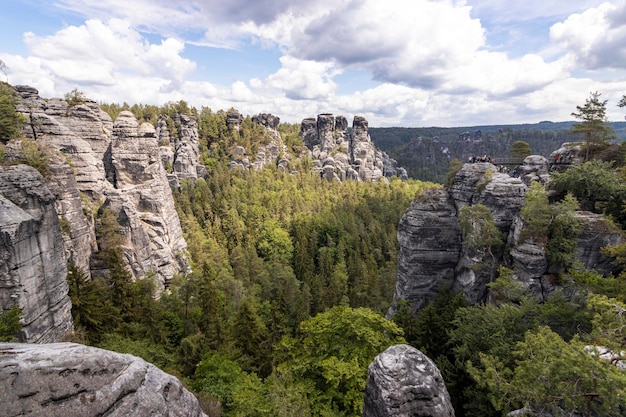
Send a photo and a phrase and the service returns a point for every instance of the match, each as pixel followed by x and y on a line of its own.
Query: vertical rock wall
pixel 32 258
pixel 119 165
pixel 433 254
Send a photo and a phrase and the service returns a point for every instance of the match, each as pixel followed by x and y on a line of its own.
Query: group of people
pixel 563 159
pixel 484 158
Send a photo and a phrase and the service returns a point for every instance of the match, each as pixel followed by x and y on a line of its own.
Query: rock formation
pixel 117 165
pixel 433 254
pixel 32 257
pixel 403 382
pixel 72 380
pixel 339 153
pixel 180 153
pixel 272 153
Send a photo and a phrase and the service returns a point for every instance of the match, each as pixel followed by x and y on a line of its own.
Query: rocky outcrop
pixel 402 381
pixel 32 257
pixel 433 254
pixel 180 153
pixel 118 165
pixel 340 153
pixel 429 236
pixel 67 380
pixel 272 151
pixel 530 263
pixel 143 202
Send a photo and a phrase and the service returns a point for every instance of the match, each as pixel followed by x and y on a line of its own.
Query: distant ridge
pixel 425 152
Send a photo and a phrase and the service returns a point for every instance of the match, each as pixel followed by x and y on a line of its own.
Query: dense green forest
pixel 282 310
pixel 291 277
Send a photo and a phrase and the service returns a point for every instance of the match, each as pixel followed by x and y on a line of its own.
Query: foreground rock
pixel 404 382
pixel 72 380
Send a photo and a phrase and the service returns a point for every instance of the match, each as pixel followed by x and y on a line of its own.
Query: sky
pixel 410 63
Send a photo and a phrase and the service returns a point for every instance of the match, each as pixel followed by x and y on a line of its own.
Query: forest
pixel 291 276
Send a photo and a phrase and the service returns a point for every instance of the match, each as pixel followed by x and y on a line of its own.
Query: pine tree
pixel 593 127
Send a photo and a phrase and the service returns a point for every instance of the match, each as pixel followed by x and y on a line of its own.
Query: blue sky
pixel 395 62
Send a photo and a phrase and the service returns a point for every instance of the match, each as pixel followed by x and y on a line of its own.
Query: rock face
pixel 339 153
pixel 118 165
pixel 403 382
pixel 272 153
pixel 179 153
pixel 67 380
pixel 433 254
pixel 32 257
pixel 430 241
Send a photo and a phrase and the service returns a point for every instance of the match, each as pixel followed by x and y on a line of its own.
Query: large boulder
pixel 403 382
pixel 72 380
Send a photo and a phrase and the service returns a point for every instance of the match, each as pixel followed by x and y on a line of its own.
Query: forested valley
pixel 284 305
pixel 291 276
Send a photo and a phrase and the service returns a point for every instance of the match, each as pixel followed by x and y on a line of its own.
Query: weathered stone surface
pixel 430 241
pixel 144 203
pixel 403 382
pixel 120 165
pixel 180 154
pixel 534 168
pixel 72 380
pixel 424 267
pixel 32 258
pixel 353 153
pixel 78 227
pixel 597 233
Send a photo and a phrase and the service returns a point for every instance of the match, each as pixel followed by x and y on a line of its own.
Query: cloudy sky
pixel 396 62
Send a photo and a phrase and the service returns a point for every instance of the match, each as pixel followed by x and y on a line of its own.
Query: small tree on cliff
pixel 593 126
pixel 481 233
pixel 10 120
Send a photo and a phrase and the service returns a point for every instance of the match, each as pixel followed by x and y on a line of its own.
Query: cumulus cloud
pixel 430 59
pixel 300 79
pixel 105 57
pixel 595 38
pixel 412 42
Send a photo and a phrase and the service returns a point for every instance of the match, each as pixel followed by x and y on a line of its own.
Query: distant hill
pixel 425 152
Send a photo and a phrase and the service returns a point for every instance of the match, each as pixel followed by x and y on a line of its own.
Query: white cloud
pixel 430 58
pixel 102 58
pixel 412 42
pixel 596 38
pixel 300 79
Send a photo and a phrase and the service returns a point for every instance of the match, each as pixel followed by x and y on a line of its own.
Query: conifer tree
pixel 593 127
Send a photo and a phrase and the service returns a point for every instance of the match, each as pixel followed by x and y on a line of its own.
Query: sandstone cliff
pixel 402 381
pixel 117 165
pixel 32 257
pixel 272 153
pixel 340 153
pixel 67 379
pixel 433 254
